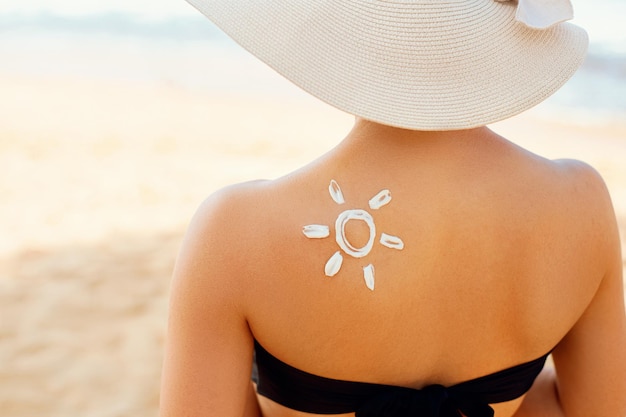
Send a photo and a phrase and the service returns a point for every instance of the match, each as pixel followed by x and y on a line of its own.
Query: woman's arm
pixel 542 400
pixel 590 361
pixel 208 350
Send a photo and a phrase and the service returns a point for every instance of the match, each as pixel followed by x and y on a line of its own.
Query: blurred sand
pixel 98 182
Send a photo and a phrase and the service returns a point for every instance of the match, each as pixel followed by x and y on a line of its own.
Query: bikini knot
pixel 437 396
pixel 431 401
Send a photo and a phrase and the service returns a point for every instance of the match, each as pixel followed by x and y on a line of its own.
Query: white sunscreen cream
pixel 319 231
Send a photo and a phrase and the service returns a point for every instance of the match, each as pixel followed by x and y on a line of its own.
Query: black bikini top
pixel 310 393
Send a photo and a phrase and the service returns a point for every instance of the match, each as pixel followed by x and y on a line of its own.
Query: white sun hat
pixel 416 64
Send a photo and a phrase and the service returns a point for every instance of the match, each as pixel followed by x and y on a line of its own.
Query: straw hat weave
pixel 417 64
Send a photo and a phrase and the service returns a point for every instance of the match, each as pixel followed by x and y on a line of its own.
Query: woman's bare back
pixel 503 252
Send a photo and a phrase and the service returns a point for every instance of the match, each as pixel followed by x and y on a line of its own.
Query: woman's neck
pixel 367 136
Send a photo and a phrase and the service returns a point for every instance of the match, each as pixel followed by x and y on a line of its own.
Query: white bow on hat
pixel 541 14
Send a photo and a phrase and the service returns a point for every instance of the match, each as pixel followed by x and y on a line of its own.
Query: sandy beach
pixel 99 179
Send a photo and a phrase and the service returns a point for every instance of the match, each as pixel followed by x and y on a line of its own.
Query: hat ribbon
pixel 542 14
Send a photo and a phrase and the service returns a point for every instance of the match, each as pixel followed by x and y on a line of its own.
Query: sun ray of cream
pixel 335 192
pixel 333 265
pixel 368 275
pixel 316 231
pixel 393 242
pixel 380 199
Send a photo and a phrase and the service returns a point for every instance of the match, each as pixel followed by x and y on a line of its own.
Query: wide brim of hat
pixel 427 65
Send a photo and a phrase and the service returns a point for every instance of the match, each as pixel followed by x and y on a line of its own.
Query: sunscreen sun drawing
pixel 319 231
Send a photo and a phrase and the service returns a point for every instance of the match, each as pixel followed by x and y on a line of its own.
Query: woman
pixel 425 266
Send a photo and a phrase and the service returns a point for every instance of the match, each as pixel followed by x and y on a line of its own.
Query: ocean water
pixel 168 41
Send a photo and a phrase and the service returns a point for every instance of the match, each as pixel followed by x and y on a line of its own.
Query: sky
pixel 603 19
pixel 143 8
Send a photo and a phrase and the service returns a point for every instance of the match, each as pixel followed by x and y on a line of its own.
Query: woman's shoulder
pixel 573 200
pixel 227 209
pixel 232 196
pixel 582 189
pixel 223 227
pixel 570 186
pixel 579 172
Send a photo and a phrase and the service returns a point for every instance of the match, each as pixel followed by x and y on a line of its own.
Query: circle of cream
pixel 340 233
